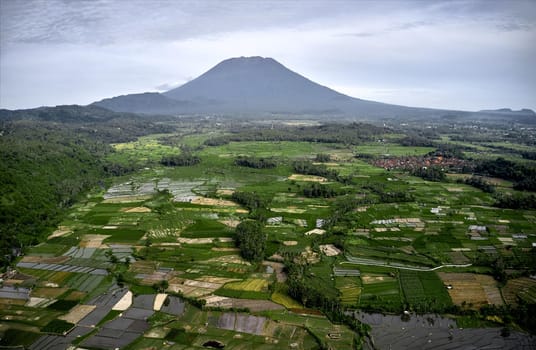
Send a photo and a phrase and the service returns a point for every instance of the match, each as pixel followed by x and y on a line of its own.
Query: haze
pixel 458 54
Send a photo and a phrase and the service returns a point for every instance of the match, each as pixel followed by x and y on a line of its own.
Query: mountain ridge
pixel 260 86
pixel 253 85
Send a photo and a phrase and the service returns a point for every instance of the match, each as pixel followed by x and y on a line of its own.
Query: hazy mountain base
pixel 257 87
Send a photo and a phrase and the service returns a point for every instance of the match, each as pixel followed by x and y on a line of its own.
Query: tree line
pixel 354 133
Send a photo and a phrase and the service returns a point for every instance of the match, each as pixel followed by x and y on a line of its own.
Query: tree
pixel 251 240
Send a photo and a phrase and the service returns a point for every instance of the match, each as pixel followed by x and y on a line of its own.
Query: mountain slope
pixel 148 102
pixel 257 86
pixel 263 85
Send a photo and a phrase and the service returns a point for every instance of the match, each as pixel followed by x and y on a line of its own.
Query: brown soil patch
pixel 252 305
pixel 189 291
pixel 77 313
pixel 216 249
pixel 225 192
pixel 76 295
pixel 5 301
pixel 206 240
pixel 315 231
pixel 136 210
pixel 306 312
pixel 166 244
pixel 478 290
pixel 329 250
pixel 153 278
pixel 48 292
pixel 311 178
pixel 231 222
pixel 288 210
pixel 375 279
pixel 308 256
pixel 230 259
pixel 213 202
pixel 202 284
pixel 128 199
pixel 57 278
pixel 93 241
pixel 327 164
pixel 219 280
pixel 141 266
pixel 61 231
pixel 523 285
pixel 45 260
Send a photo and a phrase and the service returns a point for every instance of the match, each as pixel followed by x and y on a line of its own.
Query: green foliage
pixel 322 158
pixel 424 291
pixel 250 200
pixel 49 156
pixel 57 326
pixel 316 190
pixel 479 183
pixel 354 133
pixel 308 168
pixel 388 195
pixel 183 159
pixel 161 286
pixel 523 175
pixel 430 173
pixel 181 336
pixel 42 171
pixel 16 337
pixel 256 163
pixel 516 201
pixel 251 240
pixel 63 305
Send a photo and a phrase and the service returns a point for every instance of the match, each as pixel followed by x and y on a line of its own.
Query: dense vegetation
pixel 48 158
pixel 354 133
pixel 251 240
pixel 479 183
pixel 523 175
pixel 183 159
pixel 369 238
pixel 256 163
pixel 430 173
pixel 307 167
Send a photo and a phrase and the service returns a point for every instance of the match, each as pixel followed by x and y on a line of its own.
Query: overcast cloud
pixel 446 54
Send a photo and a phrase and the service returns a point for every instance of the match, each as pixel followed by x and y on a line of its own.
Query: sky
pixel 464 55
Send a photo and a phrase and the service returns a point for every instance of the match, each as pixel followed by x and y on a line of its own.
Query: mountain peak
pixel 249 59
pixel 255 85
pixel 247 84
pixel 247 63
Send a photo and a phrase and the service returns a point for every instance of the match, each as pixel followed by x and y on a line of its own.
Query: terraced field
pixel 401 243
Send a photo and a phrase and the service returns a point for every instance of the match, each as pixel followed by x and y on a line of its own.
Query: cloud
pixel 82 51
pixel 169 86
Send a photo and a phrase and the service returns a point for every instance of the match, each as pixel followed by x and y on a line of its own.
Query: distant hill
pixel 257 86
pixel 149 103
pixel 263 85
pixel 60 114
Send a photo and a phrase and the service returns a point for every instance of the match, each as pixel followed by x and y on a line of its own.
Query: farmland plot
pixel 472 289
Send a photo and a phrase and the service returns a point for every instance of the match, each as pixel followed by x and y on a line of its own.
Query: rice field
pixel 252 284
pixel 177 225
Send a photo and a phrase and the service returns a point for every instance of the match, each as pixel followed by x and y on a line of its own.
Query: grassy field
pixel 424 291
pixel 177 224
